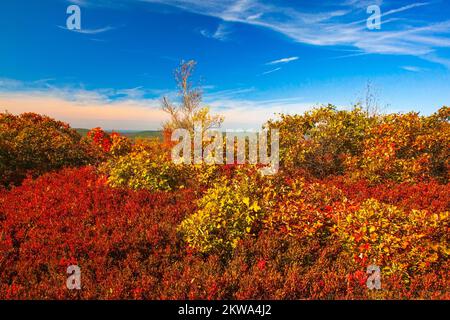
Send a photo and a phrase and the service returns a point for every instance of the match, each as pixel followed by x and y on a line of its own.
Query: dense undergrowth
pixel 353 190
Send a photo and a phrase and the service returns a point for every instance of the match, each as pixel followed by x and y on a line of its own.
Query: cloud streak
pixel 90 31
pixel 284 60
pixel 271 71
pixel 222 33
pixel 412 68
pixel 331 25
pixel 129 109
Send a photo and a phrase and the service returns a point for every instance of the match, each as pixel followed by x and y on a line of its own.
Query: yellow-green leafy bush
pixel 227 213
pixel 407 242
pixel 142 169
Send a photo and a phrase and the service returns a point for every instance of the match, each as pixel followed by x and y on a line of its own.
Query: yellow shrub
pixel 143 170
pixel 399 241
pixel 227 213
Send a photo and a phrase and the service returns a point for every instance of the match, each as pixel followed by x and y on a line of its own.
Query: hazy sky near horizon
pixel 255 57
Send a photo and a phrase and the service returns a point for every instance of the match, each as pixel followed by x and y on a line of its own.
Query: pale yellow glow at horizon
pixel 90 111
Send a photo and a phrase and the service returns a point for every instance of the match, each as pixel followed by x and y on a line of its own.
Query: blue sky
pixel 255 57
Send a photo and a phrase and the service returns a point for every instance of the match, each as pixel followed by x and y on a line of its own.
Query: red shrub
pixel 119 238
pixel 427 195
pixel 125 243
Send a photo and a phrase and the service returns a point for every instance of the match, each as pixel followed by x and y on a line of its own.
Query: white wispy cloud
pixel 271 71
pixel 126 109
pixel 252 114
pixel 412 68
pixel 112 4
pixel 362 4
pixel 78 92
pixel 283 60
pixel 230 93
pixel 328 26
pixel 434 58
pixel 78 2
pixel 131 109
pixel 90 31
pixel 222 32
pixel 407 7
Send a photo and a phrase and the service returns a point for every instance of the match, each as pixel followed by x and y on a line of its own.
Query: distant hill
pixel 129 133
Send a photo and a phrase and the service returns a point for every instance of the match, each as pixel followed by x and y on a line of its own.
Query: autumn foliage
pixel 353 190
pixel 31 144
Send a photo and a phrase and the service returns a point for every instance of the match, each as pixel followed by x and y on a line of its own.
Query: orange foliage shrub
pixel 34 144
